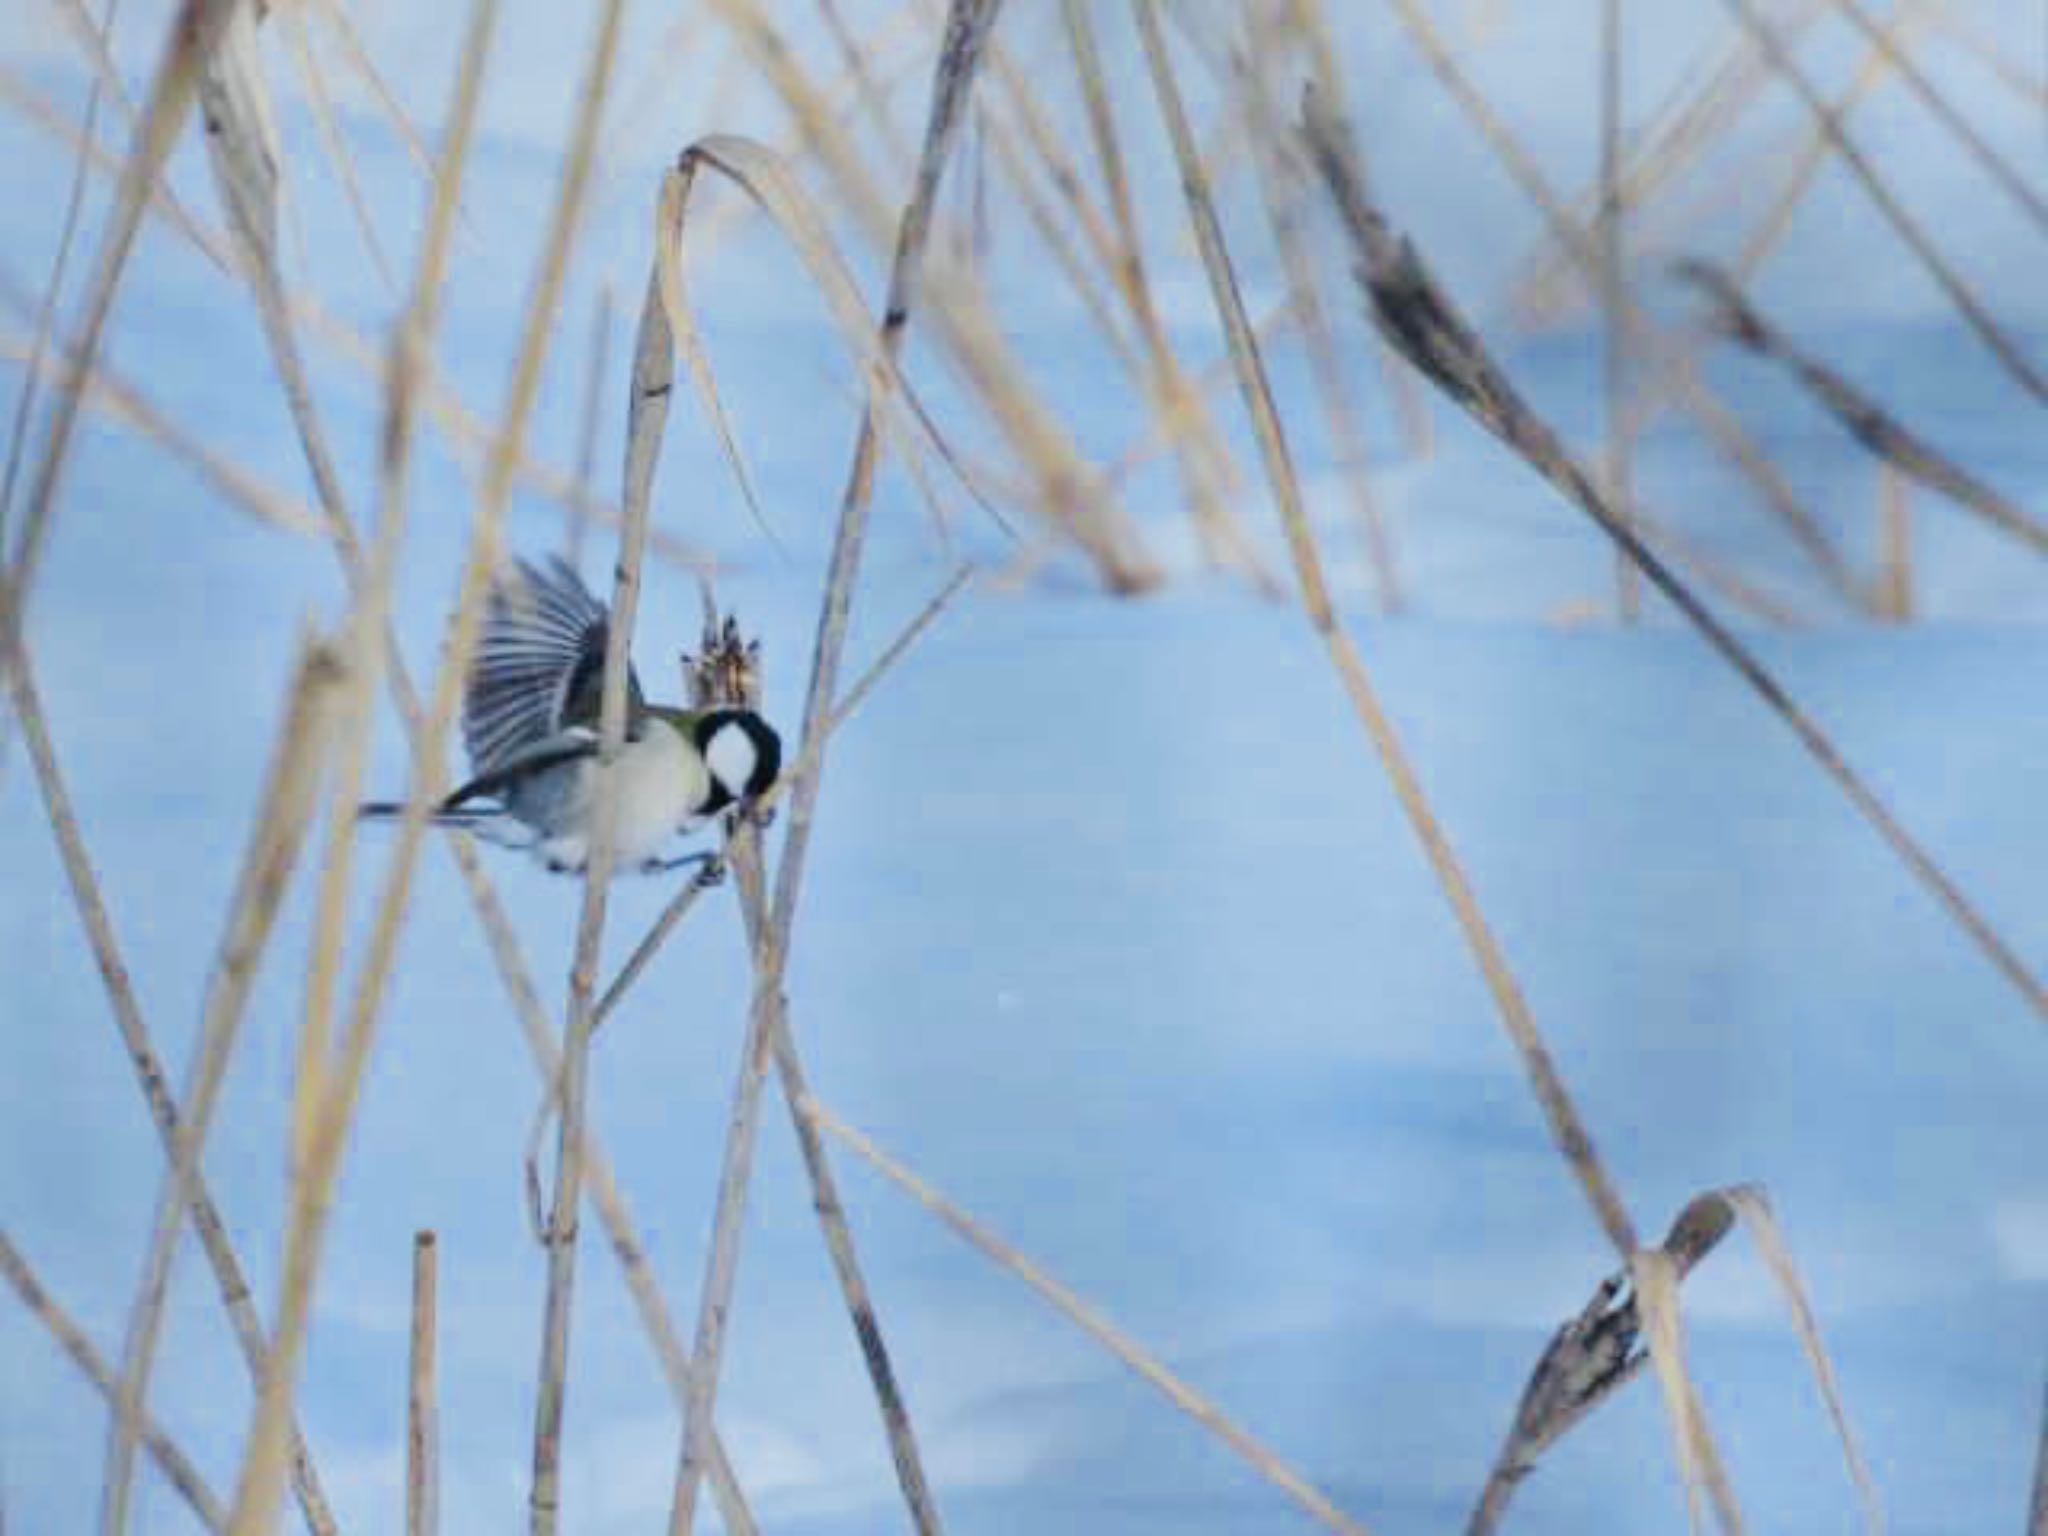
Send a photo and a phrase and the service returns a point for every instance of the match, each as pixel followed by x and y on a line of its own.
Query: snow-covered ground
pixel 1114 932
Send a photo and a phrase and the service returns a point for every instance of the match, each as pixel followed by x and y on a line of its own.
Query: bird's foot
pixel 711 872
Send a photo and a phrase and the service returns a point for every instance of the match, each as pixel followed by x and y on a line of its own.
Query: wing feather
pixel 539 664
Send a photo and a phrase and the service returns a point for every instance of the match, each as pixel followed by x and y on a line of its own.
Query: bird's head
pixel 743 754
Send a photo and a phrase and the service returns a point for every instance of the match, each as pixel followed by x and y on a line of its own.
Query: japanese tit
pixel 530 713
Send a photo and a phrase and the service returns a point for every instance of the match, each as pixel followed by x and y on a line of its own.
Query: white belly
pixel 658 781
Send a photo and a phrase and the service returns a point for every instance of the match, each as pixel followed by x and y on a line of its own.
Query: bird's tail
pixel 490 823
pixel 441 816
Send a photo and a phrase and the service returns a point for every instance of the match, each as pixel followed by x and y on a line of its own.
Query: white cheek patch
pixel 731 758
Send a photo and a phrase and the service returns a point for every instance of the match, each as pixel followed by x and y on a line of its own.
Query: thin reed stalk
pixel 1066 492
pixel 194 32
pixel 1909 230
pixel 422 1413
pixel 621 1231
pixel 1310 24
pixel 1868 422
pixel 333 145
pixel 469 434
pixel 968 24
pixel 1613 288
pixel 330 1087
pixel 1409 306
pixel 1283 184
pixel 1655 1279
pixel 112 396
pixel 284 812
pixel 562 1228
pixel 175 1465
pixel 1674 369
pixel 46 307
pixel 1148 1367
pixel 593 414
pixel 1872 70
pixel 1246 360
pixel 93 914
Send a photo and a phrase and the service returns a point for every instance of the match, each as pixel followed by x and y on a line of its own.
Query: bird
pixel 530 711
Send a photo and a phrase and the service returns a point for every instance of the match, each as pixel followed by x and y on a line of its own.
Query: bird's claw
pixel 710 873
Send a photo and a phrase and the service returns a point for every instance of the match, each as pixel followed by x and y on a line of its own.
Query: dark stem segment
pixel 1414 313
pixel 1866 421
pixel 2037 1517
pixel 1588 1360
pixel 1987 330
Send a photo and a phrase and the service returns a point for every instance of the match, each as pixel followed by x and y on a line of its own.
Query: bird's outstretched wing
pixel 539 665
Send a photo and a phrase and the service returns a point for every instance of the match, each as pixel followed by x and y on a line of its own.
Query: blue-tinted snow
pixel 1113 931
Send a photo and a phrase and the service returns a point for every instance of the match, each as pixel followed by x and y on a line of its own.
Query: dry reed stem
pixel 173 1463
pixel 867 91
pixel 1283 183
pixel 1208 475
pixel 1208 465
pixel 1068 493
pixel 892 653
pixel 593 414
pixel 192 36
pixel 38 111
pixel 1903 224
pixel 246 155
pixel 338 21
pixel 1098 1327
pixel 1565 1125
pixel 771 182
pixel 680 905
pixel 725 672
pixel 334 146
pixel 968 24
pixel 470 436
pixel 1411 401
pixel 1695 116
pixel 119 401
pixel 1865 420
pixel 1871 72
pixel 1589 1359
pixel 1409 307
pixel 46 307
pixel 1655 1278
pixel 284 811
pixel 322 1134
pixel 422 1415
pixel 1620 417
pixel 562 1230
pixel 107 75
pixel 603 1189
pixel 1753 1205
pixel 1674 368
pixel 150 1076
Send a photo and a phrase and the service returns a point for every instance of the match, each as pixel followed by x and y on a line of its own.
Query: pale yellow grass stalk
pixel 1148 1367
pixel 175 1465
pixel 284 812
pixel 189 43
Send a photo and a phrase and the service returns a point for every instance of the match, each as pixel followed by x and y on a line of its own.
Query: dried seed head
pixel 726 671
